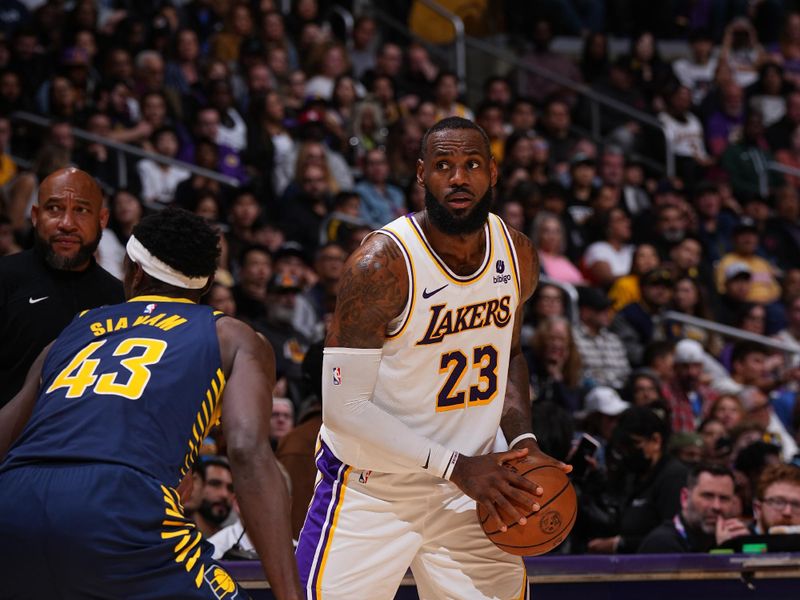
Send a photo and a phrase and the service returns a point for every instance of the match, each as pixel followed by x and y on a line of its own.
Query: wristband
pixel 451 465
pixel 522 436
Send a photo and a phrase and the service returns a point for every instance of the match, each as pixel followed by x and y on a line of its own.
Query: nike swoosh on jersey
pixel 35 300
pixel 426 294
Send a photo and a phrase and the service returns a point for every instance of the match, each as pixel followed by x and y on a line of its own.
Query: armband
pixel 523 436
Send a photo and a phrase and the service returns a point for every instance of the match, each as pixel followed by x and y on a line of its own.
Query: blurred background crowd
pixel 651 150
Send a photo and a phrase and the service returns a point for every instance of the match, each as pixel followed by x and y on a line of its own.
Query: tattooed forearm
pixel 516 417
pixel 373 291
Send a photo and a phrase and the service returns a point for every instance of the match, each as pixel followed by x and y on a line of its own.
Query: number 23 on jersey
pixel 79 374
pixel 450 396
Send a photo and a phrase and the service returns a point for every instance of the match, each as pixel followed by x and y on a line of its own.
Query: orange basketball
pixel 546 528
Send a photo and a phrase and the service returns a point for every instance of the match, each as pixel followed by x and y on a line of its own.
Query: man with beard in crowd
pixel 278 327
pixel 213 490
pixel 43 288
pixel 777 502
pixel 706 518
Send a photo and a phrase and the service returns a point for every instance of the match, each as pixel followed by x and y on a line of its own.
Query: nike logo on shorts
pixel 426 294
pixel 35 300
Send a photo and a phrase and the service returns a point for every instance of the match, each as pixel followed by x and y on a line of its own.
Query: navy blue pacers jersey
pixel 135 384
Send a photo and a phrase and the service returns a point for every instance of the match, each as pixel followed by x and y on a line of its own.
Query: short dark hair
pixel 644 421
pixel 202 463
pixel 657 349
pixel 253 248
pixel 344 196
pixel 714 470
pixel 163 130
pixel 486 106
pixel 495 78
pixel 326 245
pixel 454 124
pixel 744 349
pixel 182 240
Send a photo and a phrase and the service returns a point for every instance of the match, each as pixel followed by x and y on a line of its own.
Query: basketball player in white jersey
pixel 424 390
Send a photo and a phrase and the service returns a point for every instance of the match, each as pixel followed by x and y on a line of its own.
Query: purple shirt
pixel 719 128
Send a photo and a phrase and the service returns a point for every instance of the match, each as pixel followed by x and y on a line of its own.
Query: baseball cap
pixel 685 439
pixel 737 270
pixel 591 297
pixel 284 283
pixel 604 400
pixel 657 276
pixel 289 249
pixel 745 224
pixel 689 351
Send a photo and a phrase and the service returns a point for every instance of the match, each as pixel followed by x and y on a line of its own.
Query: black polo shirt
pixel 36 303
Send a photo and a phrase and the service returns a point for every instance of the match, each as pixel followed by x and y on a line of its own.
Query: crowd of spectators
pixel 319 136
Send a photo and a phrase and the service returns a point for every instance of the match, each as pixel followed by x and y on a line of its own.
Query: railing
pixel 459 45
pixel 122 165
pixel 347 18
pixel 783 169
pixel 392 23
pixel 733 332
pixel 595 99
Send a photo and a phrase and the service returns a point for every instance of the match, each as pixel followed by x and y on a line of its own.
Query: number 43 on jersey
pixel 79 374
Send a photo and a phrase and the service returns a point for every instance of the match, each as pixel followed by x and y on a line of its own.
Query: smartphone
pixel 587 446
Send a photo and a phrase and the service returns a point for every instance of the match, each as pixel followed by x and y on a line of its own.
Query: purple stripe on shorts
pixel 316 529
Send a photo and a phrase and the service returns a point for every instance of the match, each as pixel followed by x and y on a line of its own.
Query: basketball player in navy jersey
pixel 112 416
pixel 425 389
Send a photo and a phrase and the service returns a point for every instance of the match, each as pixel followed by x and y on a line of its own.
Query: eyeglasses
pixel 779 503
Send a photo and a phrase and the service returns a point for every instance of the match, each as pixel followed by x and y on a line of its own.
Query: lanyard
pixel 676 521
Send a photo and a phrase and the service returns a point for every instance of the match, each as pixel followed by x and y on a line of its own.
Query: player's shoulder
pixel 237 340
pixel 522 243
pixel 377 256
pixel 231 328
pixel 528 261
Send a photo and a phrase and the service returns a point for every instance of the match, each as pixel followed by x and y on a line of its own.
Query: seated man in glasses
pixel 777 504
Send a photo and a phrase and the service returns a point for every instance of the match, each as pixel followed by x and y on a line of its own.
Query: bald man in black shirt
pixel 43 288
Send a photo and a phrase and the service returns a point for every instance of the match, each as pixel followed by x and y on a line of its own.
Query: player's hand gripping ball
pixel 546 528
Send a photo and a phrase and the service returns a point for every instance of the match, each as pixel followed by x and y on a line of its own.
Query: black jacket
pixel 36 303
pixel 666 539
pixel 655 499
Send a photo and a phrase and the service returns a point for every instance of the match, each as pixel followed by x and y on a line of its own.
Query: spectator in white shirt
pixel 684 134
pixel 232 131
pixel 610 258
pixel 697 72
pixel 159 180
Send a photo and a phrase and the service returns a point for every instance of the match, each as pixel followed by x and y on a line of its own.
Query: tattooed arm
pixel 516 418
pixel 372 292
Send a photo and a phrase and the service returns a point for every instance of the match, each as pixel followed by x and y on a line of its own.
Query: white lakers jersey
pixel 444 365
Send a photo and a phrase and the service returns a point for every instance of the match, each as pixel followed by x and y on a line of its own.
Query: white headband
pixel 161 270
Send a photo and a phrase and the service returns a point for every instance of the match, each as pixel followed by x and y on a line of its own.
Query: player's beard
pixel 65 263
pixel 452 224
pixel 214 512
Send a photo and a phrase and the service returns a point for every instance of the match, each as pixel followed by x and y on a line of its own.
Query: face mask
pixel 635 461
